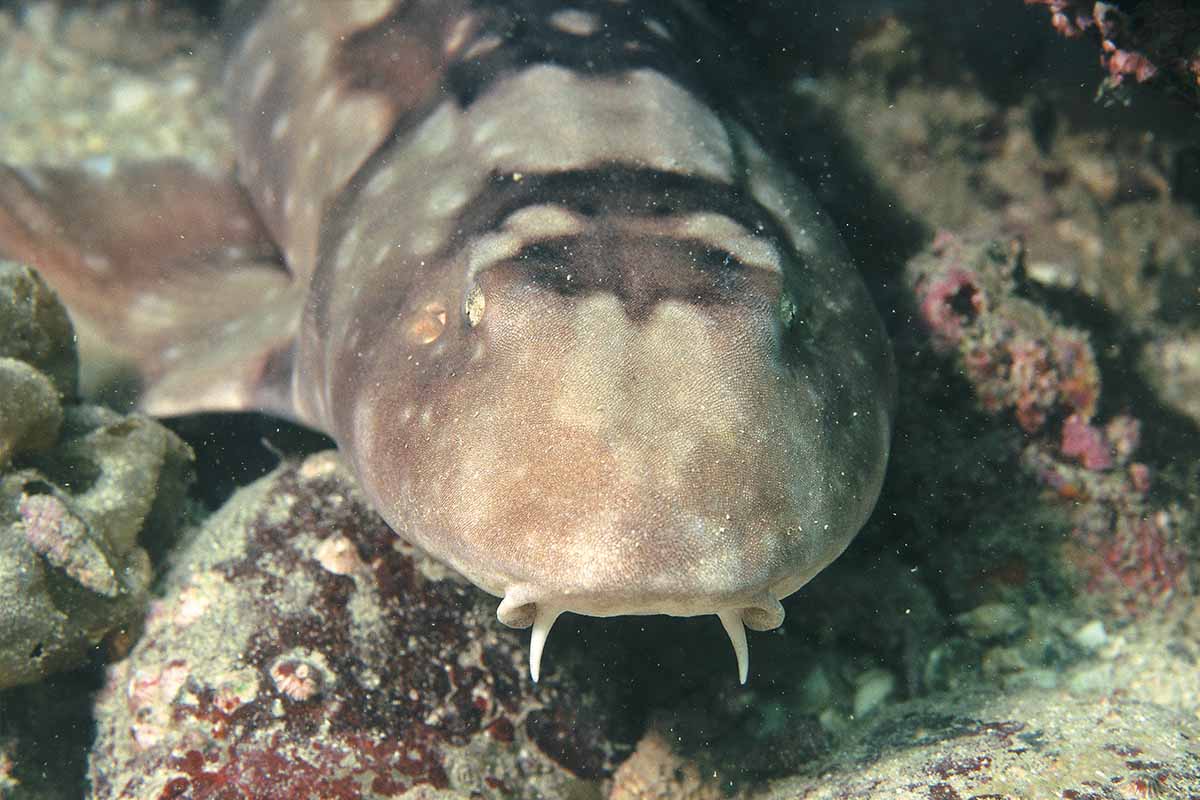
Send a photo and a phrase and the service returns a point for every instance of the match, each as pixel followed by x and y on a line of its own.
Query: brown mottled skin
pixel 579 336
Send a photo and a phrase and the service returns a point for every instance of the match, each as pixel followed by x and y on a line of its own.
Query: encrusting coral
pixel 1019 360
pixel 1142 40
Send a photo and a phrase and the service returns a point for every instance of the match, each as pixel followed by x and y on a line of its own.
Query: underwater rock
pixel 70 563
pixel 30 414
pixel 992 621
pixel 1028 744
pixel 38 365
pixel 35 328
pixel 304 648
pixel 1021 361
pixel 1016 357
pixel 873 689
pixel 83 485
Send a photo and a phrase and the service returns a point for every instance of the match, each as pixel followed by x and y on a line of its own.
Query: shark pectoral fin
pixel 168 272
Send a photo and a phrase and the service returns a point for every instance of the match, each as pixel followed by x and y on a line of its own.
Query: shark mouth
pixel 764 615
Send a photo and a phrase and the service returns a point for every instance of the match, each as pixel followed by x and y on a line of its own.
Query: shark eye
pixel 713 260
pixel 541 253
pixel 474 305
pixel 787 309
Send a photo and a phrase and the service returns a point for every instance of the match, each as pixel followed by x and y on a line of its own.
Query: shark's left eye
pixel 715 260
pixel 787 309
pixel 474 305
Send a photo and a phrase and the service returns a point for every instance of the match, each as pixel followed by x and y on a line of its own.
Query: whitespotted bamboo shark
pixel 578 334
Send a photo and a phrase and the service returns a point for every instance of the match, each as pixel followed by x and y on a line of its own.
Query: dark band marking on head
pixel 520 34
pixel 616 190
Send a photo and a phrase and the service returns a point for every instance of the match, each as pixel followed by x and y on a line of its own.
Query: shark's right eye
pixel 474 305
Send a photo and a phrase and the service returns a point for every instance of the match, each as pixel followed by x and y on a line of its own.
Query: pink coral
pixel 1084 442
pixel 1064 16
pixel 950 303
pixel 1140 39
pixel 1144 558
pixel 1117 61
pixel 1034 371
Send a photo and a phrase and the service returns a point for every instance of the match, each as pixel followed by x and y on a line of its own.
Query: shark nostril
pixel 427 326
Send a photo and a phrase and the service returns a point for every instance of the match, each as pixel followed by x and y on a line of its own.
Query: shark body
pixel 578 334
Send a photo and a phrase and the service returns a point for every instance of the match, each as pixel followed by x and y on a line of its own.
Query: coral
pixel 655 772
pixel 1018 360
pixel 79 486
pixel 8 783
pixel 1014 356
pixel 1097 210
pixel 1085 443
pixel 301 650
pixel 1139 39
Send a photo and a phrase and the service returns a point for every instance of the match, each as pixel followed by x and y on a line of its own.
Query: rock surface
pixel 1032 744
pixel 302 650
pixel 35 328
pixel 79 485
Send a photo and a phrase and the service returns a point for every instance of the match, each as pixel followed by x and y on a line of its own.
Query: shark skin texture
pixel 578 335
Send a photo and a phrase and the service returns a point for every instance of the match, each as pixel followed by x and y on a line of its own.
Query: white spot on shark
pixel 279 128
pixel 97 263
pixel 262 76
pixel 657 28
pixel 426 242
pixel 382 253
pixel 316 52
pixel 384 180
pixel 325 101
pixel 438 133
pixel 447 198
pixel 458 34
pixel 233 326
pixel 575 22
pixel 361 13
pixel 347 248
pixel 482 46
